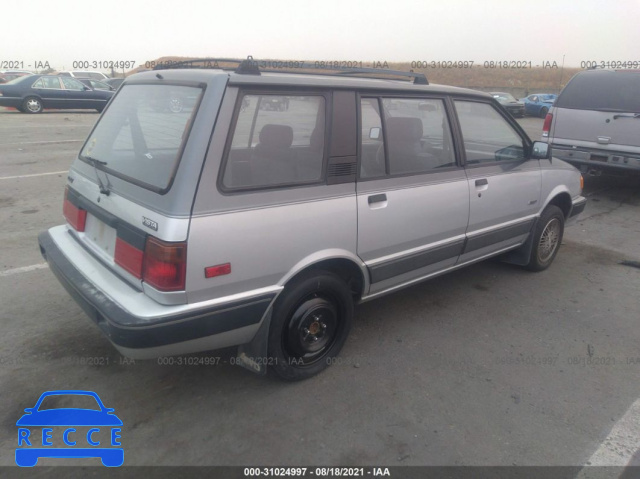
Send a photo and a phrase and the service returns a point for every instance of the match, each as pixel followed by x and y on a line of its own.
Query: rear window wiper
pixel 105 190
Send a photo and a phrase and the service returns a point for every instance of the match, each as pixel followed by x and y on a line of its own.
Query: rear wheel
pixel 310 324
pixel 32 104
pixel 543 112
pixel 547 238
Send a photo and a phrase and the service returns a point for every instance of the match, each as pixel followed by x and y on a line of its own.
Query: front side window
pixel 488 137
pixel 140 137
pixel 277 140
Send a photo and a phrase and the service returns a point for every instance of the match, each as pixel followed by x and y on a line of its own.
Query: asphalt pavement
pixel 489 365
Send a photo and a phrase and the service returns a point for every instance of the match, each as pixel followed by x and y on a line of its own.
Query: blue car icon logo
pixel 80 432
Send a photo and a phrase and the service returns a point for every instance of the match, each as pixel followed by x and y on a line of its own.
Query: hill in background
pixel 518 81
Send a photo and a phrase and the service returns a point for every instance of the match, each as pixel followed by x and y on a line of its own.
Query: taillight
pixel 77 217
pixel 165 264
pixel 547 125
pixel 128 257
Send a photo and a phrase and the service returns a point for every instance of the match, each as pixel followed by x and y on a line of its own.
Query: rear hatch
pixel 131 189
pixel 599 110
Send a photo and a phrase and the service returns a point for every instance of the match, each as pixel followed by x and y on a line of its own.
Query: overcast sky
pixel 373 30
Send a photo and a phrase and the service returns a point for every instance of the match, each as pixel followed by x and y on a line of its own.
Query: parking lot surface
pixel 489 365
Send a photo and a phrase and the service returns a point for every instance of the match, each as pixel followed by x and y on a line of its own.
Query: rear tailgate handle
pixel 377 198
pixel 604 140
pixel 482 182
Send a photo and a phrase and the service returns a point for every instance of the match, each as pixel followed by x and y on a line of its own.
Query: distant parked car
pixel 7 75
pixel 511 103
pixel 16 72
pixel 114 82
pixel 538 104
pixel 595 122
pixel 95 84
pixel 34 93
pixel 85 74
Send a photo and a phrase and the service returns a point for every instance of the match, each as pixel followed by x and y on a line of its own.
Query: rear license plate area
pixel 600 158
pixel 100 235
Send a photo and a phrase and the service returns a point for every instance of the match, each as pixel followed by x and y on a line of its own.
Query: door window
pixel 47 82
pixel 416 134
pixel 71 84
pixel 372 154
pixel 488 137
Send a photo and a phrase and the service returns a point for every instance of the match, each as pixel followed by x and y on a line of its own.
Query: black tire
pixel 543 112
pixel 310 324
pixel 547 238
pixel 32 104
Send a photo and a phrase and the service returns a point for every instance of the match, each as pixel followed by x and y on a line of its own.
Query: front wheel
pixel 32 104
pixel 547 238
pixel 310 324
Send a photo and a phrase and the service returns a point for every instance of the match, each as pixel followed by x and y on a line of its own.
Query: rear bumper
pixel 597 159
pixel 170 330
pixel 10 101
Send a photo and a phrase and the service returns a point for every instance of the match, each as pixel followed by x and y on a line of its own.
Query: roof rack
pixel 249 66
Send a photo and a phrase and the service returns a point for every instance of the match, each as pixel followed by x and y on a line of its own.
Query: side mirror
pixel 29 410
pixel 540 151
pixel 87 88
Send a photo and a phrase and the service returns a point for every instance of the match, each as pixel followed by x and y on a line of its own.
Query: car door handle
pixel 377 198
pixel 482 182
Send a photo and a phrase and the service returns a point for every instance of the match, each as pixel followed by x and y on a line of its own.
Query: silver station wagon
pixel 273 202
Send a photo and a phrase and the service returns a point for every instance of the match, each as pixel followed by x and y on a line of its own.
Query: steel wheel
pixel 312 330
pixel 549 240
pixel 310 324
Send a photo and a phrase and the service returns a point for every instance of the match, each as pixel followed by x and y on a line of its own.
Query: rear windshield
pixel 141 135
pixel 606 90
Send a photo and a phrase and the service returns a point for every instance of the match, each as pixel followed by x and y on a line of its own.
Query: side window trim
pixel 515 126
pixel 242 92
pixel 449 112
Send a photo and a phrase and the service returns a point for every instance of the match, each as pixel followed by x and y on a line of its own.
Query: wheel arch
pixel 561 199
pixel 340 262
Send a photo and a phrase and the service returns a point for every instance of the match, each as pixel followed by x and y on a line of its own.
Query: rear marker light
pixel 165 264
pixel 77 217
pixel 547 125
pixel 218 270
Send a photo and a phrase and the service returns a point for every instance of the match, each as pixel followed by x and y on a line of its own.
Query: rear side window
pixel 71 84
pixel 277 140
pixel 47 82
pixel 416 135
pixel 605 90
pixel 488 137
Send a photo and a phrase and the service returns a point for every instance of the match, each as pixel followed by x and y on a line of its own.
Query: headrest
pixel 276 136
pixel 404 128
